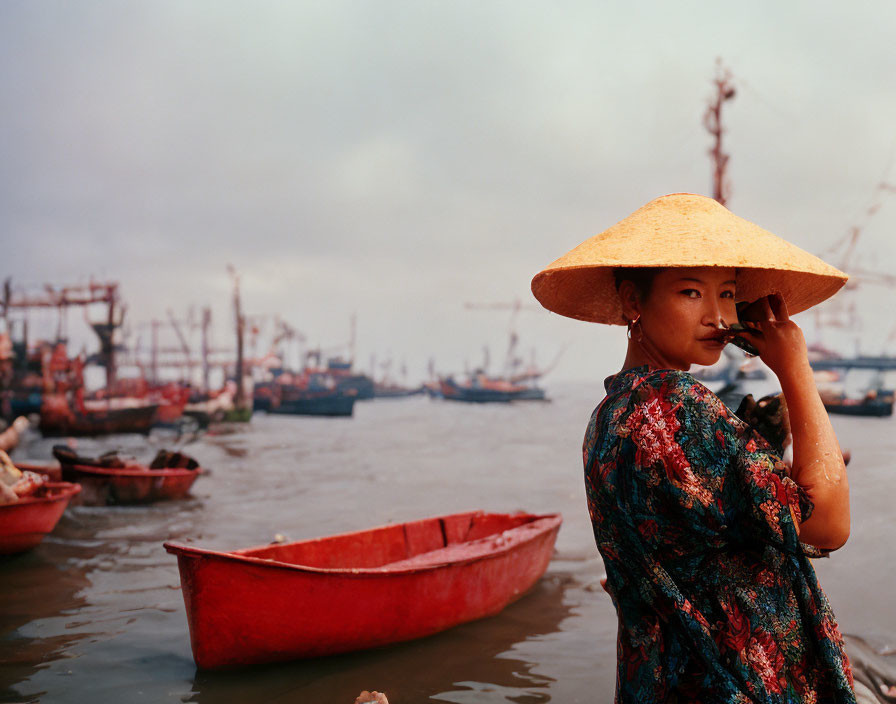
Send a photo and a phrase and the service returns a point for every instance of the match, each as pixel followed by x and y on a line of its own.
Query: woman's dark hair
pixel 640 276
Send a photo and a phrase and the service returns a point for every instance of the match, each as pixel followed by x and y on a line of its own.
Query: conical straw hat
pixel 682 230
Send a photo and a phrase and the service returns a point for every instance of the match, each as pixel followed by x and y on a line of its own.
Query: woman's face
pixel 683 308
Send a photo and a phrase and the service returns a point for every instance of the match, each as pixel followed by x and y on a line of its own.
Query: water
pixel 95 612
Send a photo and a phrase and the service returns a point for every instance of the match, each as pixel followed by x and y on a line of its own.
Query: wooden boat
pixel 169 398
pixel 876 403
pixel 24 524
pixel 263 396
pixel 347 381
pixel 134 484
pixel 170 406
pixel 876 397
pixel 881 407
pixel 58 418
pixel 358 590
pixel 110 479
pixel 479 393
pixel 314 403
pixel 531 393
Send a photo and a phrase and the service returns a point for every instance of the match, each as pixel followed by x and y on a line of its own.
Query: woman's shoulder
pixel 673 390
pixel 644 381
pixel 664 391
pixel 663 400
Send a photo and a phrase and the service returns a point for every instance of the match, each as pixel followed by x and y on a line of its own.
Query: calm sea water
pixel 95 613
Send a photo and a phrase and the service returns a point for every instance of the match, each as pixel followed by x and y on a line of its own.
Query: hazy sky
pixel 397 159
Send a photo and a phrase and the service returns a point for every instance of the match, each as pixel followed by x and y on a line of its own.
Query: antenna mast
pixel 712 120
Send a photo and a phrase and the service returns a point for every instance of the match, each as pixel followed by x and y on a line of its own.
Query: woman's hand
pixel 778 339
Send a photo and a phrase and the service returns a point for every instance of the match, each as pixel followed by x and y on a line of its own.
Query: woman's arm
pixel 817 460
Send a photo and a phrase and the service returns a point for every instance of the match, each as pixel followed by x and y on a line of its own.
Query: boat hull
pixel 452 391
pixel 335 405
pixel 875 409
pixel 24 524
pixel 97 422
pixel 244 608
pixel 474 395
pixel 126 485
pixel 533 393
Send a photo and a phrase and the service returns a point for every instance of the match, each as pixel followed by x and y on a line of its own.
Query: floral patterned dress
pixel 696 521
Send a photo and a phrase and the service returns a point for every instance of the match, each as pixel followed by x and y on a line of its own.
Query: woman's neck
pixel 641 353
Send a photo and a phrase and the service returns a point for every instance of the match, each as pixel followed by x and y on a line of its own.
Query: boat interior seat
pixel 416 541
pixel 484 534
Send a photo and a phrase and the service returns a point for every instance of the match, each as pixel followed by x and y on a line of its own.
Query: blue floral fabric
pixel 697 523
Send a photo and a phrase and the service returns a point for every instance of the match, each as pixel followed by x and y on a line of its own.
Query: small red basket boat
pixel 24 524
pixel 134 484
pixel 358 590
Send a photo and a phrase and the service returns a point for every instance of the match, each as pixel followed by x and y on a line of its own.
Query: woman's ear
pixel 628 295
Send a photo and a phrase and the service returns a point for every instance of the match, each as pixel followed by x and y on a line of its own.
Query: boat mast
pixel 712 120
pixel 206 322
pixel 83 296
pixel 154 352
pixel 240 324
pixel 511 361
pixel 353 338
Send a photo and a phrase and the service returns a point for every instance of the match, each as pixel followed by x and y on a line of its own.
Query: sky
pixel 397 160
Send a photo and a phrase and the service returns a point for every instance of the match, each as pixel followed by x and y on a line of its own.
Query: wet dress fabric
pixel 696 521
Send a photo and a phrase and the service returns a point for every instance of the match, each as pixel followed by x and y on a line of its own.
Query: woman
pixel 704 532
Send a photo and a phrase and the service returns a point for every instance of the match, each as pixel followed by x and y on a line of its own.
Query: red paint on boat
pixel 130 485
pixel 358 590
pixel 24 524
pixel 58 418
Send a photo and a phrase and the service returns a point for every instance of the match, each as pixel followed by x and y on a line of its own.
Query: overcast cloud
pixel 396 159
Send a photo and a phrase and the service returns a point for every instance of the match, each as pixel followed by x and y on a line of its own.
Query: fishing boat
pixel 856 386
pixel 316 403
pixel 263 396
pixel 531 393
pixel 358 590
pixel 874 404
pixel 306 394
pixel 483 389
pixel 93 417
pixel 134 484
pixel 169 399
pixel 24 524
pixel 110 480
pixel 349 382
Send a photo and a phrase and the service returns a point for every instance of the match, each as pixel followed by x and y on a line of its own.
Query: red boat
pixel 92 418
pixel 134 484
pixel 358 590
pixel 169 398
pixel 24 524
